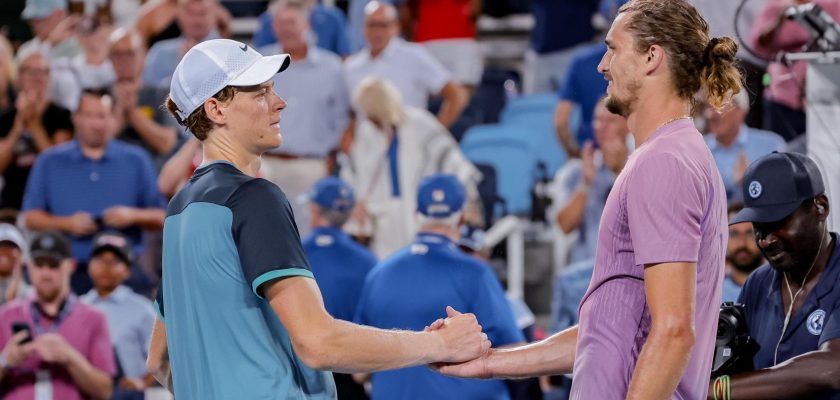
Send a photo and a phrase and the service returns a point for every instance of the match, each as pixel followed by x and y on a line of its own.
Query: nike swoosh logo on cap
pixel 244 47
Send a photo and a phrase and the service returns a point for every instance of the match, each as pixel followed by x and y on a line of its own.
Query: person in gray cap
pixel 240 314
pixel 793 302
pixel 12 255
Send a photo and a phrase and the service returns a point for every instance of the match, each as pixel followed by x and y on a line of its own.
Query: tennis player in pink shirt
pixel 648 320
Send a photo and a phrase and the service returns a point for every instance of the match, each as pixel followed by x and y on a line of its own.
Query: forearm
pixel 157 362
pixel 93 382
pixel 350 348
pixel 561 127
pixel 161 138
pixel 570 216
pixel 41 220
pixel 176 169
pixel 661 364
pixel 149 218
pixel 454 101
pixel 554 355
pixel 40 137
pixel 813 373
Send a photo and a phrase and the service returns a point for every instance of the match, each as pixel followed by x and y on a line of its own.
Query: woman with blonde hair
pixel 394 147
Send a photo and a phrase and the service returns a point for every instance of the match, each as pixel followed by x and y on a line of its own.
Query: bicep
pixel 669 291
pixel 298 304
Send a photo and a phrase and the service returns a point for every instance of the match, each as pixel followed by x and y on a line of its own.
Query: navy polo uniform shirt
pixel 816 322
pixel 340 266
pixel 411 289
pixel 225 235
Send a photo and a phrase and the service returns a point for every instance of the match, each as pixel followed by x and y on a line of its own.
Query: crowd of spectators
pixel 373 94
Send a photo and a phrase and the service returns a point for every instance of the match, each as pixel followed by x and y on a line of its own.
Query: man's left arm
pixel 803 376
pixel 669 289
pixel 455 98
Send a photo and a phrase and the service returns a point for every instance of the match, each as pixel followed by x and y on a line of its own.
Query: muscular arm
pixel 326 343
pixel 454 101
pixel 554 355
pixel 157 362
pixel 669 289
pixel 813 373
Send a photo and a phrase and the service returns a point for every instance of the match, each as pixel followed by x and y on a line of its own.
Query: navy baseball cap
pixel 440 196
pixel 776 185
pixel 333 194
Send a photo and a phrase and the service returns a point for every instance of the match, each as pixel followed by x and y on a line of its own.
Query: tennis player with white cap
pixel 240 316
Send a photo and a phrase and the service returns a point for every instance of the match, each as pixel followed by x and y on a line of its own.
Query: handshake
pixel 465 348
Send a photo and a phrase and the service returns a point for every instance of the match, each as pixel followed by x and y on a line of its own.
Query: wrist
pixel 437 347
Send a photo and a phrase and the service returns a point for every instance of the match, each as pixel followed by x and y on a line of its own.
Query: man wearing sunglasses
pixel 53 345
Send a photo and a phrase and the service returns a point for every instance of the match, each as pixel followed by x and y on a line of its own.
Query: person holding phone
pixel 54 346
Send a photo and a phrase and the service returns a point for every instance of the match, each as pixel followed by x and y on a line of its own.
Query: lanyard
pixel 63 312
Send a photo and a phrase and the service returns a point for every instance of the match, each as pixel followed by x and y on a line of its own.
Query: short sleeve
pixel 664 209
pixel 432 73
pixel 101 354
pixel 831 330
pixel 493 311
pixel 35 194
pixel 265 234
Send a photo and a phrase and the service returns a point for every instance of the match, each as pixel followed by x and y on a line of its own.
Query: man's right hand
pixel 462 337
pixel 15 352
pixel 81 224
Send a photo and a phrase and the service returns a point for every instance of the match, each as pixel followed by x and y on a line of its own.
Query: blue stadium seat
pixel 513 159
pixel 537 106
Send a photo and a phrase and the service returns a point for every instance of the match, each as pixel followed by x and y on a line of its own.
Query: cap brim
pixel 114 249
pixel 772 213
pixel 262 71
pixel 48 254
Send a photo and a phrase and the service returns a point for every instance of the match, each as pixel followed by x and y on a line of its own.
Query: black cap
pixel 50 244
pixel 776 185
pixel 112 241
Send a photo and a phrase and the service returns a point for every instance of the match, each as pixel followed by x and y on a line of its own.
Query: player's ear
pixel 215 111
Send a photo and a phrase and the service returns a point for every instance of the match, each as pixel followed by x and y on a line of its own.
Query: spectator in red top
pixel 70 355
pixel 446 28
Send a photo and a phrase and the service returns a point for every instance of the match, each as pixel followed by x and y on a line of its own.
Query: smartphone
pixel 22 327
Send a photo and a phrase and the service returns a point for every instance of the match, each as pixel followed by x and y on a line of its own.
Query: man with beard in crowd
pixel 742 256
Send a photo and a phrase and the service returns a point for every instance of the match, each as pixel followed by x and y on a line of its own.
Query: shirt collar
pixel 433 238
pixel 828 278
pixel 740 139
pixel 119 295
pixel 328 230
pixel 78 155
pixel 392 46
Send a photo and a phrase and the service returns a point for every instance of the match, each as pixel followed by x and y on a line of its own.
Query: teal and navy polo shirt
pixel 225 235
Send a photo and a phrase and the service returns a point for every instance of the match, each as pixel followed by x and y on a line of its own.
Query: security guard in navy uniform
pixel 417 283
pixel 792 303
pixel 339 264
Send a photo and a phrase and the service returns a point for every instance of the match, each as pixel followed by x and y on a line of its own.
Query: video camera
pixel 734 348
pixel 824 29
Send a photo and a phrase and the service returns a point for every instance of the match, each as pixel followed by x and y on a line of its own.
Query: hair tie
pixel 707 53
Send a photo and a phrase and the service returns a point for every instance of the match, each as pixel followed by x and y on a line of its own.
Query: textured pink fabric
pixel 667 205
pixel 85 329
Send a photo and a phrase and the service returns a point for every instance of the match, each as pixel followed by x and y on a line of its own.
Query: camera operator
pixel 792 304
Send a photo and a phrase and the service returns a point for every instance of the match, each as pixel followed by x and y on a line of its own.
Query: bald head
pixel 381 25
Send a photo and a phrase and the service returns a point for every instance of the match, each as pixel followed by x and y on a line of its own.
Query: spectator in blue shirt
pixel 315 119
pixel 93 183
pixel 560 26
pixel 734 145
pixel 742 256
pixel 328 23
pixel 792 303
pixel 409 289
pixel 196 19
pixel 339 264
pixel 582 87
pixel 130 316
pixel 581 186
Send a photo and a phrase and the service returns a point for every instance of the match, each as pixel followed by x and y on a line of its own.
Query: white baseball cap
pixel 212 65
